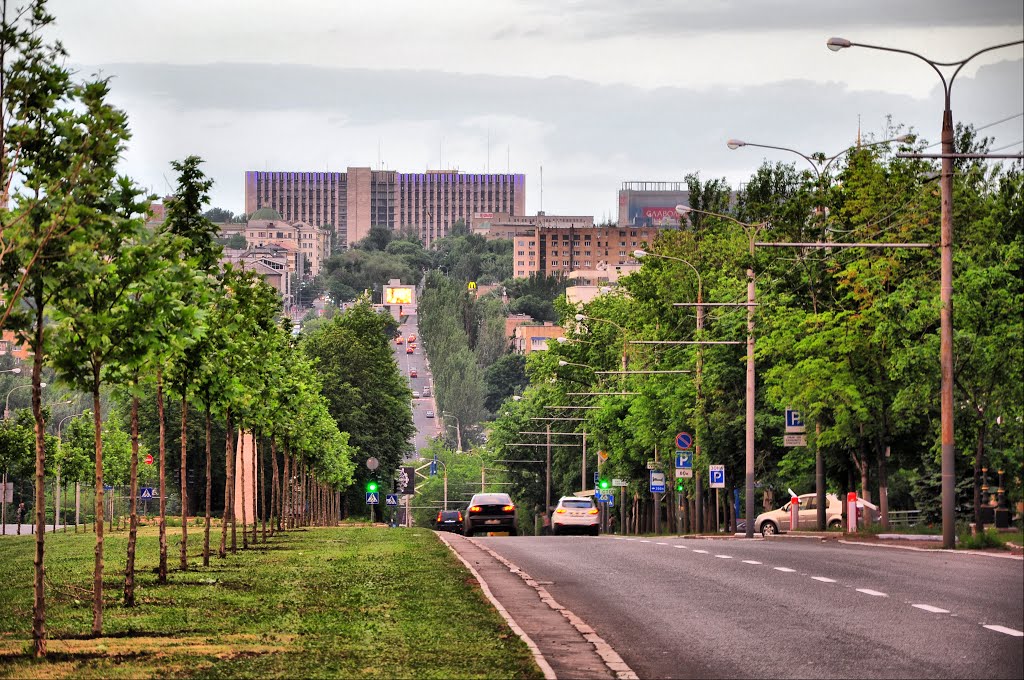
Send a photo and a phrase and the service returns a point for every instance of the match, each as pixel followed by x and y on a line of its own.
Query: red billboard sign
pixel 658 214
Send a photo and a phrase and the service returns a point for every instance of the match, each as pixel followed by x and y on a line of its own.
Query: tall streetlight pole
pixel 7 402
pixel 946 275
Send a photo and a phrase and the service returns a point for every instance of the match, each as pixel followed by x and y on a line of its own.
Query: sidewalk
pixel 564 646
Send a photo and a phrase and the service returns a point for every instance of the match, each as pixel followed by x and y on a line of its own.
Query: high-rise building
pixel 429 203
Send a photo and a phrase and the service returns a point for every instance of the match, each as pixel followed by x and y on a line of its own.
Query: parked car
pixel 448 520
pixel 489 512
pixel 415 395
pixel 430 414
pixel 777 521
pixel 412 373
pixel 575 514
pixel 426 390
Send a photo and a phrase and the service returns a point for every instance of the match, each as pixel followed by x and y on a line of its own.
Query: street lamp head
pixel 639 254
pixel 580 317
pixel 563 362
pixel 904 138
pixel 562 340
pixel 683 210
pixel 517 397
pixel 13 370
pixel 42 384
pixel 836 44
pixel 735 144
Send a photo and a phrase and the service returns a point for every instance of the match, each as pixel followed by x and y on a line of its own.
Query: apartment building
pixel 554 251
pixel 308 246
pixel 428 203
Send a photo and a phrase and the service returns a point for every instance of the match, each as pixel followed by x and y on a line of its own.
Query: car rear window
pixel 449 514
pixel 491 499
pixel 577 504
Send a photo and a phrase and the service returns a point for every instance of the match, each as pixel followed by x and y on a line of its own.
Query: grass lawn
pixel 346 602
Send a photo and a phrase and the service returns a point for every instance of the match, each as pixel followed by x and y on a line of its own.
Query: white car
pixel 576 513
pixel 415 395
pixel 777 521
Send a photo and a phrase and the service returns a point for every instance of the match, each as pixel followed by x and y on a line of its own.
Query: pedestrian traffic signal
pixel 371 486
pixel 603 484
pixel 679 486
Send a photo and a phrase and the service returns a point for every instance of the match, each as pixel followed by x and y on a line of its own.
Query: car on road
pixel 415 395
pixel 412 338
pixel 430 414
pixel 489 512
pixel 448 520
pixel 412 373
pixel 409 350
pixel 575 514
pixel 399 340
pixel 426 390
pixel 777 521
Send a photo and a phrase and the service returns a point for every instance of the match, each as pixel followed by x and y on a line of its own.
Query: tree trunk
pixel 162 571
pixel 97 576
pixel 255 485
pixel 286 491
pixel 275 492
pixel 209 491
pixel 883 487
pixel 979 460
pixel 184 482
pixel 263 498
pixel 39 583
pixel 133 521
pixel 229 461
pixel 234 524
pixel 243 466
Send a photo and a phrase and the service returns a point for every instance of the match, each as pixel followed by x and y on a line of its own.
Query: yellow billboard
pixel 398 295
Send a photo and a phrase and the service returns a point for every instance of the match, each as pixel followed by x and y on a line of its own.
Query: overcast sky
pixel 596 91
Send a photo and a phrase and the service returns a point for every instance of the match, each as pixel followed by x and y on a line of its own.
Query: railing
pixel 904 518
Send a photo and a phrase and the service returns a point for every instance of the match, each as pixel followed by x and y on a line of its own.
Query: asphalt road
pixel 426 428
pixel 793 608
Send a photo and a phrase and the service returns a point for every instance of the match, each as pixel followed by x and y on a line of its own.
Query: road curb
pixel 610 657
pixel 545 667
pixel 934 550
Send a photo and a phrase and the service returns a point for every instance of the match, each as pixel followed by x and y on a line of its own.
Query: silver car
pixel 576 514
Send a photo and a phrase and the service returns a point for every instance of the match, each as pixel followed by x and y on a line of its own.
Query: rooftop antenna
pixel 541 209
pixel 508 159
pixel 488 151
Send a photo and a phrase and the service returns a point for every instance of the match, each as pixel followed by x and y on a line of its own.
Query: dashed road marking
pixel 785 569
pixel 644 541
pixel 751 562
pixel 683 547
pixel 724 557
pixel 1007 631
pixel 874 593
pixel 661 544
pixel 702 552
pixel 929 608
pixel 823 579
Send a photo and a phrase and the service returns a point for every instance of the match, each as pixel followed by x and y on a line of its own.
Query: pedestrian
pixel 21 513
pixel 546 525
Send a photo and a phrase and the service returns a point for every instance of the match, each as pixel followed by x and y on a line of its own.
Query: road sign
pixel 609 498
pixel 149 459
pixel 391 500
pixel 372 498
pixel 687 473
pixel 684 440
pixel 657 482
pixel 653 464
pixel 146 493
pixel 620 482
pixel 716 476
pixel 596 478
pixel 406 482
pixel 684 459
pixel 598 496
pixel 794 440
pixel 794 423
pixel 602 456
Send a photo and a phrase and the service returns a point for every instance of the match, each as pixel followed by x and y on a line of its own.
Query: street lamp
pixel 7 402
pixel 751 303
pixel 11 370
pixel 458 430
pixel 946 275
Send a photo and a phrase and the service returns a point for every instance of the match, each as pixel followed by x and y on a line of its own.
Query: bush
pixel 989 538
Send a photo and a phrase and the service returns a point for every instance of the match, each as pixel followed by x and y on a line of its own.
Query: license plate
pixel 493 521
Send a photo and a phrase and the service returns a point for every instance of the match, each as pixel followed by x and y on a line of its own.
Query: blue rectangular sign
pixel 372 498
pixel 684 460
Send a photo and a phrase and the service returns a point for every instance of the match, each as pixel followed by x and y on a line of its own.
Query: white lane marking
pixel 823 579
pixel 683 547
pixel 702 552
pixel 874 593
pixel 785 569
pixel 929 608
pixel 1004 629
pixel 661 544
pixel 751 562
pixel 724 557
pixel 645 541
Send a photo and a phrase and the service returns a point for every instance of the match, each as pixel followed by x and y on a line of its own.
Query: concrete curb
pixel 610 657
pixel 934 550
pixel 545 667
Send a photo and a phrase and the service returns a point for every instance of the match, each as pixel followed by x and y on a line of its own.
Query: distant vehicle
pixel 426 390
pixel 448 520
pixel 489 512
pixel 409 350
pixel 415 395
pixel 777 521
pixel 412 373
pixel 412 338
pixel 430 414
pixel 412 344
pixel 399 340
pixel 577 514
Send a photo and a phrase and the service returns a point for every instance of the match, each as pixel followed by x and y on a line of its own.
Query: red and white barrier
pixel 851 512
pixel 794 513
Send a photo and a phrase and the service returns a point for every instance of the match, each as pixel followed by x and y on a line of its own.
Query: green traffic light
pixel 679 486
pixel 603 484
pixel 371 486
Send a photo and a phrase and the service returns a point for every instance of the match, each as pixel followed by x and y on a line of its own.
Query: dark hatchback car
pixel 448 520
pixel 489 512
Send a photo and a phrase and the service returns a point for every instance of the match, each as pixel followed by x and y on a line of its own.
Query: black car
pixel 448 520
pixel 489 512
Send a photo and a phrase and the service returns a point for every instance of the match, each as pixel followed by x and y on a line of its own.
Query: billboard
pixel 399 295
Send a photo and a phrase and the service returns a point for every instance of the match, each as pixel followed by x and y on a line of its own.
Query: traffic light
pixel 603 485
pixel 679 486
pixel 371 486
